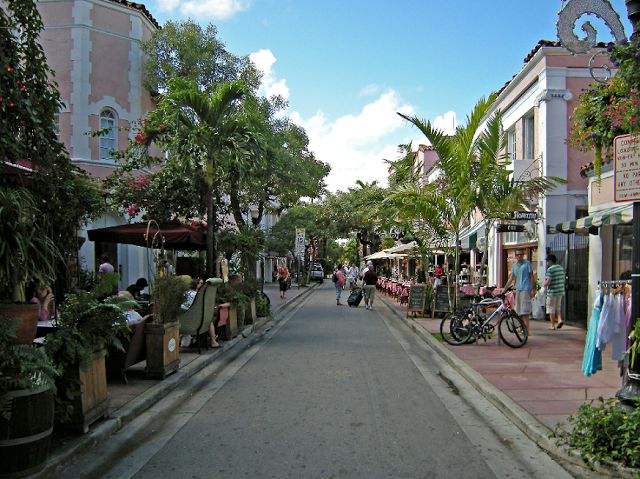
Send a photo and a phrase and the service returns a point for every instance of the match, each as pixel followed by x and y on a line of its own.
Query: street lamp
pixel 567 17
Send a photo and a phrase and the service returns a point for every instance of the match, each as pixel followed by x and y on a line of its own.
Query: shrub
pixel 607 432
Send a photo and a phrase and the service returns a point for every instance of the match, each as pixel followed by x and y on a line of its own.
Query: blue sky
pixel 347 66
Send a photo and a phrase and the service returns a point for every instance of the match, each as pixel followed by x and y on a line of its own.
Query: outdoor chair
pixel 197 319
pixel 135 350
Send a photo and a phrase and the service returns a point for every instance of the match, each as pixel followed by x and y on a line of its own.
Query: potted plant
pixel 28 255
pixel 163 333
pixel 26 404
pixel 77 346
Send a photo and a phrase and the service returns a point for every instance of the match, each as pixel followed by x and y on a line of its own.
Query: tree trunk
pixel 211 248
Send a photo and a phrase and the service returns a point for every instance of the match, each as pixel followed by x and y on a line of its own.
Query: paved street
pixel 327 391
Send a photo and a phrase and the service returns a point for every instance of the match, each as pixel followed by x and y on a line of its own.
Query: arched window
pixel 108 142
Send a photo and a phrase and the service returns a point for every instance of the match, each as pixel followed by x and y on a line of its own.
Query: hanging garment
pixel 619 329
pixel 592 359
pixel 603 322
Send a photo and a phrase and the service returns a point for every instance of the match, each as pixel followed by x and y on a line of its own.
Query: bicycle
pixel 459 327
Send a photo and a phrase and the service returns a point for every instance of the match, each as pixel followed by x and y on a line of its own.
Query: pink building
pixel 94 47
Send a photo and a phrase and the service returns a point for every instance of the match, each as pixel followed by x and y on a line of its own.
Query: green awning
pixel 609 216
pixel 469 235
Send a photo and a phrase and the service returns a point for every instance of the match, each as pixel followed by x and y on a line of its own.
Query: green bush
pixel 263 309
pixel 607 432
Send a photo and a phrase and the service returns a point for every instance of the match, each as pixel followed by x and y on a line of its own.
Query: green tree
pixel 198 131
pixel 184 50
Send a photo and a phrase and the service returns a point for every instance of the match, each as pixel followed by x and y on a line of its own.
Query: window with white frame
pixel 108 137
pixel 511 144
pixel 529 138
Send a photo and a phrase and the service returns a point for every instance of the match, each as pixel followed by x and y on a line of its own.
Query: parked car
pixel 317 274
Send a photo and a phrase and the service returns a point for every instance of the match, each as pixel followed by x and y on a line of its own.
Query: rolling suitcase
pixel 355 297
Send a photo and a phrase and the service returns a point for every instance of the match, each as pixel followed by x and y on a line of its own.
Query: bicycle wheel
pixel 512 330
pixel 456 328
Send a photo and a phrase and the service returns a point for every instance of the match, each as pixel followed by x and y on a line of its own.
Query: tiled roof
pixel 425 148
pixel 587 169
pixel 545 43
pixel 141 8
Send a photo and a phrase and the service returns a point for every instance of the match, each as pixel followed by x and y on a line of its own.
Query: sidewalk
pixel 127 401
pixel 536 386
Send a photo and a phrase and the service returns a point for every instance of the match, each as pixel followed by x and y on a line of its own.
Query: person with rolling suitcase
pixel 369 280
pixel 355 297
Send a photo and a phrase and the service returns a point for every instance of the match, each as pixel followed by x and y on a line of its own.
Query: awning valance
pixel 609 216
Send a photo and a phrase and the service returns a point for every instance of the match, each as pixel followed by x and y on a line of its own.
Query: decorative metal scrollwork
pixel 573 10
pixel 604 67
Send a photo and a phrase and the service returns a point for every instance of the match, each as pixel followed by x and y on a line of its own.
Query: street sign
pixel 509 228
pixel 626 154
pixel 524 215
pixel 299 249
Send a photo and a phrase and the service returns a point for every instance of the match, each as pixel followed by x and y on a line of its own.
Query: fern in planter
pixel 84 324
pixel 21 366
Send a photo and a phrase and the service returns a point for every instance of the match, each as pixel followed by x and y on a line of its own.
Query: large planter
pixel 25 438
pixel 250 315
pixel 162 349
pixel 233 322
pixel 27 330
pixel 93 403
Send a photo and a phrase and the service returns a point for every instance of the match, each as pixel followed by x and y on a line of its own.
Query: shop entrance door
pixel 572 252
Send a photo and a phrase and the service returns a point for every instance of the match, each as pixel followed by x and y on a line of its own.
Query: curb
pixel 77 446
pixel 522 419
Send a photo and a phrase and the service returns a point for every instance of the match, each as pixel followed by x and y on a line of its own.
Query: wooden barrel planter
pixel 93 403
pixel 27 330
pixel 25 438
pixel 162 349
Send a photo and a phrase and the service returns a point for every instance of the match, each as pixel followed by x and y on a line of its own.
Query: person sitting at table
pixel 44 298
pixel 133 317
pixel 136 288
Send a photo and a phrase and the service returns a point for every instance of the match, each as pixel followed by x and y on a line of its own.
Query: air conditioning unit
pixel 532 229
pixel 481 244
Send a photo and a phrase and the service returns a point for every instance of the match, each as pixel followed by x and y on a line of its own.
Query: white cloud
pixel 355 146
pixel 369 90
pixel 446 123
pixel 210 9
pixel 264 60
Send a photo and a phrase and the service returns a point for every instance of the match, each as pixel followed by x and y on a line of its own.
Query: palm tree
pixel 200 128
pixel 450 201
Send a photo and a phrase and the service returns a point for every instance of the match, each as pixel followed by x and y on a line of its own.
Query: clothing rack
pixel 610 285
pixel 618 282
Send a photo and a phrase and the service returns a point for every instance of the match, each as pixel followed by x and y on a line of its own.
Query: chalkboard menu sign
pixel 417 297
pixel 442 299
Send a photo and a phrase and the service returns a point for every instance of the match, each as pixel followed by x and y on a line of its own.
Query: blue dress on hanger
pixel 592 360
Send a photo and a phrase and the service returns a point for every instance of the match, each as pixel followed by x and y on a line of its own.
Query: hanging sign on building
pixel 508 228
pixel 626 151
pixel 524 215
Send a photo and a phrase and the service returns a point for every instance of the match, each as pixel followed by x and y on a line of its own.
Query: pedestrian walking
pixel 352 276
pixel 369 281
pixel 338 280
pixel 522 276
pixel 555 290
pixel 283 277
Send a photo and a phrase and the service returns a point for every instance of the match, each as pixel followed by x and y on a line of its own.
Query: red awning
pixel 176 236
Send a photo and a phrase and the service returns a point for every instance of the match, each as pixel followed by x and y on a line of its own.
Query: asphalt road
pixel 325 392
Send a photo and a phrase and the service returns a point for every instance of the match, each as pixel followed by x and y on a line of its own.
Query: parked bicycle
pixel 461 326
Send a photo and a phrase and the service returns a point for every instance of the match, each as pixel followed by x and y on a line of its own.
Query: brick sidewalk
pixel 544 376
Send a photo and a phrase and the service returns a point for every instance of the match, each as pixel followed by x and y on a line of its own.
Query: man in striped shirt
pixel 555 290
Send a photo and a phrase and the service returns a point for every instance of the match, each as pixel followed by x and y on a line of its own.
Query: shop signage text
pixel 626 154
